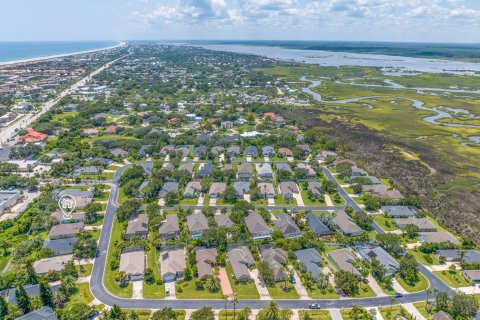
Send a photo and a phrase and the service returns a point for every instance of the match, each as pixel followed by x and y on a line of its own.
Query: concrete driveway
pixel 137 291
pixel 246 197
pixel 299 199
pixel 261 288
pixel 302 291
pixel 171 287
pixel 375 286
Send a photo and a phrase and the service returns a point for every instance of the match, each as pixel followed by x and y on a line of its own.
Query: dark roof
pixel 311 260
pixel 44 313
pixel 317 226
pixel 60 246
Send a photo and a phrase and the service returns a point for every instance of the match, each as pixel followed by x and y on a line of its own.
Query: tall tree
pixel 45 294
pixel 23 300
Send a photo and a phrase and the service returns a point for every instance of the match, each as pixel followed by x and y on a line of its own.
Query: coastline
pixel 37 59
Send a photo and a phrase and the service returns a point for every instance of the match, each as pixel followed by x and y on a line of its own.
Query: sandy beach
pixel 120 44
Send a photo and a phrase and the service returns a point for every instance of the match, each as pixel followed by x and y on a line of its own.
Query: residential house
pixel 317 226
pixel 251 151
pixel 343 259
pixel 266 190
pixel 346 224
pixel 423 224
pixel 193 189
pixel 206 261
pixel 44 313
pixel 276 259
pixel 188 167
pixel 65 230
pixel 200 151
pixel 304 149
pixel 326 154
pixel 60 246
pixel 205 170
pixel 241 260
pixel 310 260
pixel 283 166
pixel 305 166
pixel 226 125
pixel 119 152
pixel 288 188
pixel 241 187
pixel 167 188
pixel 244 171
pixel 438 237
pixel 288 227
pixel 223 220
pixel 343 161
pixel 268 151
pixel 137 227
pixel 442 315
pixel 172 264
pixel 197 223
pixel 89 132
pixel 217 189
pixel 400 211
pixel 132 262
pixel 110 130
pixel 382 191
pixel 218 150
pixel 8 199
pixel 257 227
pixel 184 151
pixel 473 276
pixel 315 187
pixel 467 256
pixel 45 265
pixel 170 228
pixel 168 166
pixel 233 151
pixel 144 150
pixel 386 260
pixel 285 152
pixel 166 150
pixel 265 171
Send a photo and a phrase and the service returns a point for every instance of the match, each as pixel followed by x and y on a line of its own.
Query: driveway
pixel 375 286
pixel 213 201
pixel 335 314
pixel 266 159
pixel 328 201
pixel 137 291
pixel 271 201
pixel 225 283
pixel 261 288
pixel 246 197
pixel 171 287
pixel 413 311
pixel 302 291
pixel 298 198
pixel 200 200
pixel 249 159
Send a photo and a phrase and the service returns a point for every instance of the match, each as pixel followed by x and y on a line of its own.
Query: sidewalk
pixel 413 311
pixel 262 289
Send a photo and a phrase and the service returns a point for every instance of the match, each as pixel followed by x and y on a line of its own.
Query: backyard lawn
pixel 153 291
pixel 384 222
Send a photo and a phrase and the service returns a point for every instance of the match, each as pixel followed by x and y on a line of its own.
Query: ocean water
pixel 12 51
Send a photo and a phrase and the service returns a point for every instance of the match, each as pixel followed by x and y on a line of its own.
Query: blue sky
pixel 375 20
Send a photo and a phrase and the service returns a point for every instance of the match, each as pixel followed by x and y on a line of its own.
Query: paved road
pixel 8 132
pixel 100 293
pixel 340 190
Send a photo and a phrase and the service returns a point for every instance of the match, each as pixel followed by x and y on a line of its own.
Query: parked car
pixel 314 306
pixel 398 295
pixel 292 280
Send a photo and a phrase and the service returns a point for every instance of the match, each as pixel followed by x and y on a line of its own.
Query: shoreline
pixel 37 59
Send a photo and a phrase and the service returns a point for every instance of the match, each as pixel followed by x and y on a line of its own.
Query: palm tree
pixel 428 292
pixel 59 298
pixel 212 283
pixel 272 311
pixel 225 298
pixel 234 302
pixel 68 283
pixel 392 301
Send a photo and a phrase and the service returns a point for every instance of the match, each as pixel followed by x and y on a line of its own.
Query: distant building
pixel 8 199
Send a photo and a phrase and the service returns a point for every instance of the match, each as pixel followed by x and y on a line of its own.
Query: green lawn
pixel 365 291
pixel 454 280
pixel 242 290
pixel 280 201
pixel 341 202
pixel 122 197
pixel 345 314
pixel 329 293
pixel 276 292
pixel 422 308
pixel 260 202
pixel 189 291
pixel 315 314
pixel 4 258
pixel 143 314
pixel 420 256
pixel 81 295
pixel 308 202
pixel 189 202
pixel 153 291
pixel 421 284
pixel 108 137
pixel 87 270
pixel 109 277
pixel 384 222
pixel 393 311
